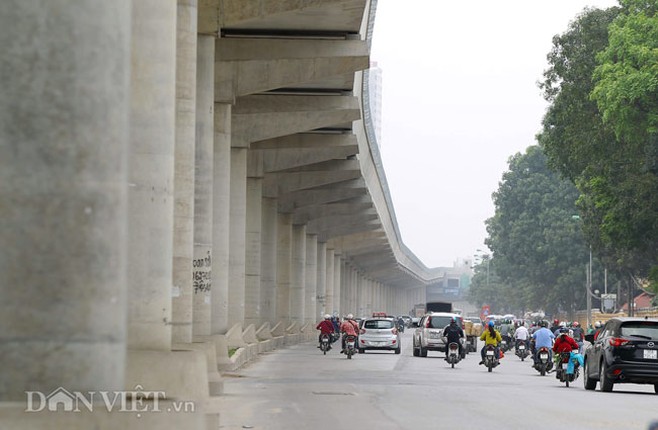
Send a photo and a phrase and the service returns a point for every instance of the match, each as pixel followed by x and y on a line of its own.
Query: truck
pixel 438 307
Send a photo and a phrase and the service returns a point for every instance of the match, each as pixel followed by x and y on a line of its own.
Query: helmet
pixel 491 324
pixel 453 320
pixel 597 324
pixel 521 323
pixel 327 316
pixel 564 330
pixel 556 321
pixel 350 316
pixel 544 324
pixel 576 323
pixel 563 324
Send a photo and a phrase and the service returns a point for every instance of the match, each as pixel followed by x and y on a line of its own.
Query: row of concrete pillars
pixel 132 226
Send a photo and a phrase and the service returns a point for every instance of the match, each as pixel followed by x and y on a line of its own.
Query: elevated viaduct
pixel 181 179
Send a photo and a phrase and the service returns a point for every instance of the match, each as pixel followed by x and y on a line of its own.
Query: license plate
pixel 543 356
pixel 521 347
pixel 490 353
pixel 350 344
pixel 651 354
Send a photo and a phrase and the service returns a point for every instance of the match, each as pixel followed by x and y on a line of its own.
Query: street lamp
pixel 588 281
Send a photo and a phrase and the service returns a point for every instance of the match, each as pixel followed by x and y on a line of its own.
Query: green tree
pixel 626 93
pixel 598 129
pixel 538 250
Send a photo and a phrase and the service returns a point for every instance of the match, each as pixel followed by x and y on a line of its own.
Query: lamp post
pixel 588 281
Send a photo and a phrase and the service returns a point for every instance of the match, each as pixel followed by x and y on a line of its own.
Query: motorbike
pixel 350 346
pixel 490 359
pixel 543 364
pixel 522 350
pixel 325 343
pixel 568 368
pixel 452 354
pixel 506 343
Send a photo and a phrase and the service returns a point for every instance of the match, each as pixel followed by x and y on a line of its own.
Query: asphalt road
pixel 299 388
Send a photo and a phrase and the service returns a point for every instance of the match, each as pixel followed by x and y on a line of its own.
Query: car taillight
pixel 617 341
pixel 362 331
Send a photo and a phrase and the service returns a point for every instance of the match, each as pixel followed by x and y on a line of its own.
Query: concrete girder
pixel 283 183
pixel 321 195
pixel 292 15
pixel 308 213
pixel 249 66
pixel 329 223
pixel 348 229
pixel 263 117
pixel 324 166
pixel 368 248
pixel 355 240
pixel 302 149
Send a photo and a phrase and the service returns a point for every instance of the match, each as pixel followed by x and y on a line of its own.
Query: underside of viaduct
pixel 181 179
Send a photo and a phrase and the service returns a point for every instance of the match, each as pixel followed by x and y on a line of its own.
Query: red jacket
pixel 564 344
pixel 325 327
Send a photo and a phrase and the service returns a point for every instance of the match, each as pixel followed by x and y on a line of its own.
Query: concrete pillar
pixel 203 183
pixel 298 273
pixel 321 280
pixel 151 174
pixel 283 266
pixel 268 261
pixel 63 175
pixel 253 250
pixel 337 282
pixel 186 46
pixel 331 305
pixel 311 279
pixel 220 214
pixel 237 235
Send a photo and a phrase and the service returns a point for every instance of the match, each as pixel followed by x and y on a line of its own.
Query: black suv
pixel 625 350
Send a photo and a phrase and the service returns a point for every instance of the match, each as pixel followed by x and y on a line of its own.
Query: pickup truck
pixel 429 334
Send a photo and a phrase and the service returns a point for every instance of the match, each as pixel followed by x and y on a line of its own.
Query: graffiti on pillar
pixel 202 274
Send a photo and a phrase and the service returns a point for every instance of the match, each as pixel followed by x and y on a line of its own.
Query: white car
pixel 429 334
pixel 379 333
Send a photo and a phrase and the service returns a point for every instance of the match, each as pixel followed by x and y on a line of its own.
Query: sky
pixel 460 97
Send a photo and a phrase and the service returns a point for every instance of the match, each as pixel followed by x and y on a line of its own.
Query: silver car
pixel 379 333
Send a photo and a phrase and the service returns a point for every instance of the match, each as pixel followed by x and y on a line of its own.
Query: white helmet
pixel 327 316
pixel 350 316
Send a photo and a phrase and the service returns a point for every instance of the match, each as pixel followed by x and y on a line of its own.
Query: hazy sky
pixel 460 97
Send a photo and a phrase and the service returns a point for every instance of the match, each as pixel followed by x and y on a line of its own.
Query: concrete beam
pixel 253 65
pixel 303 149
pixel 308 213
pixel 311 176
pixel 337 15
pixel 333 193
pixel 268 116
pixel 342 230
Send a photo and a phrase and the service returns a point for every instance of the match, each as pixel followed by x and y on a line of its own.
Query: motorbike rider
pixel 556 326
pixel 326 327
pixel 563 343
pixel 349 327
pixel 543 339
pixel 453 333
pixel 578 335
pixel 490 336
pixel 521 334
